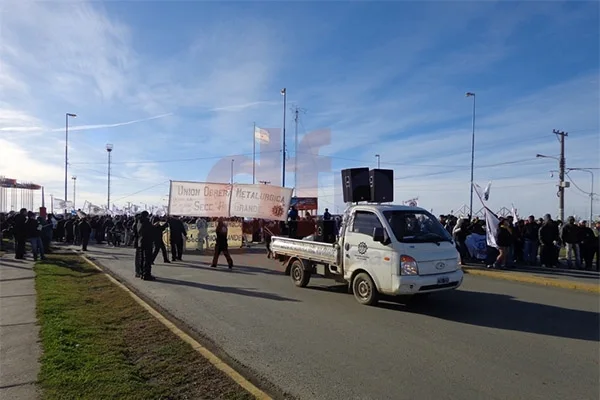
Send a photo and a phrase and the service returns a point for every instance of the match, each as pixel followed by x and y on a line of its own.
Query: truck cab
pixel 397 250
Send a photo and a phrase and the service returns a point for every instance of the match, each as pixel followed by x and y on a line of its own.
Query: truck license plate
pixel 443 280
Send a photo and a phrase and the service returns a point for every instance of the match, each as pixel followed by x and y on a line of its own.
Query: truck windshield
pixel 416 227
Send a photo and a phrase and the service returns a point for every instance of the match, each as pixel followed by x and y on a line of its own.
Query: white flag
pixel 262 135
pixel 491 228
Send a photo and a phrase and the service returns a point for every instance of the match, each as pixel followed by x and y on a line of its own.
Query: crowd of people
pixel 143 232
pixel 528 242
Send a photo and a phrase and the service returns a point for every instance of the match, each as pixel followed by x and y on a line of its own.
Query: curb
pixel 523 278
pixel 204 352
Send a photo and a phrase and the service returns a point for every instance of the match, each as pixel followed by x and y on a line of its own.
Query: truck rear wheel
pixel 300 276
pixel 364 289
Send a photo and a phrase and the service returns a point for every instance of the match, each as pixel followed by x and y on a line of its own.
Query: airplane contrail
pixel 102 126
pixel 39 129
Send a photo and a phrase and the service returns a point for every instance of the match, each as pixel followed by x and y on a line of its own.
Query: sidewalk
pixel 19 332
pixel 587 281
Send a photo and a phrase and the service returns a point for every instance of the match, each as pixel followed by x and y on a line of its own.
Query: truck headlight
pixel 408 266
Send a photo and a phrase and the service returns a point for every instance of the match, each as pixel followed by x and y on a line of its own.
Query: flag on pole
pixel 262 135
pixel 491 227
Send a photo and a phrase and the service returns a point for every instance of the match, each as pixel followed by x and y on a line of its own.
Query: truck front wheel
pixel 300 276
pixel 364 289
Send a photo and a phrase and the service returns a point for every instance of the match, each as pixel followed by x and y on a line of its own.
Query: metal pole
pixel 472 158
pixel 66 155
pixel 296 153
pixel 378 160
pixel 108 198
pixel 592 199
pixel 253 154
pixel 52 204
pixel 74 191
pixel 284 93
pixel 232 160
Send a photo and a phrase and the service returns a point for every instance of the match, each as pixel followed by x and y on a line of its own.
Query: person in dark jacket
pixel 136 245
pixel 159 244
pixel 34 235
pixel 20 233
pixel 177 233
pixel 569 235
pixel 587 244
pixel 145 236
pixel 530 241
pixel 85 231
pixel 549 238
pixel 221 245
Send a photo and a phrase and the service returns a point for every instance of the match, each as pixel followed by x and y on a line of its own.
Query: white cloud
pixel 410 109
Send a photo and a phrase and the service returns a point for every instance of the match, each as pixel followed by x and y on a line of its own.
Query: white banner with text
pixel 200 199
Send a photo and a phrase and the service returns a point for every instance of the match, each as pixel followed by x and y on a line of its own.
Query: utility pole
pixel 561 173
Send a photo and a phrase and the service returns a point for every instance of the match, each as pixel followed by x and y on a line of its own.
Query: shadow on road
pixel 505 312
pixel 226 289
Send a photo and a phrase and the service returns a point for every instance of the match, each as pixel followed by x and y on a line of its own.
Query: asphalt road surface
pixel 491 339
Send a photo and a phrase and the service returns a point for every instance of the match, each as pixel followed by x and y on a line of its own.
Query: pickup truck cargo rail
pixel 324 253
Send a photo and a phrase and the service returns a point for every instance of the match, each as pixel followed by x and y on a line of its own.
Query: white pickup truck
pixel 381 250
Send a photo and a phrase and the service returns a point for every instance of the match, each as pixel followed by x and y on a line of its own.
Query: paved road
pixel 491 339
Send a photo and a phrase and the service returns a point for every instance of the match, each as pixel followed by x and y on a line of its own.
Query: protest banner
pixel 260 201
pixel 199 199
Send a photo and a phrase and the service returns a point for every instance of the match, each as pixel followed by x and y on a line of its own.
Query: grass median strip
pixel 98 343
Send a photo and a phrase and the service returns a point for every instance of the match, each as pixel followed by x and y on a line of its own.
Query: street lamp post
pixel 67 115
pixel 471 94
pixel 284 94
pixel 109 148
pixel 589 171
pixel 378 160
pixel 74 191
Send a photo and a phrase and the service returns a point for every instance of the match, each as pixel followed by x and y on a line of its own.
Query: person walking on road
pixel 159 244
pixel 221 245
pixel 145 234
pixel 138 249
pixel 177 233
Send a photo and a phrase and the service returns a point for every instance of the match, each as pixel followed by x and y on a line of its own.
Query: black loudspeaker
pixel 325 231
pixel 381 182
pixel 356 185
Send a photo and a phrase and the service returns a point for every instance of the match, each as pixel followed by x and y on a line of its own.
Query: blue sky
pixel 384 78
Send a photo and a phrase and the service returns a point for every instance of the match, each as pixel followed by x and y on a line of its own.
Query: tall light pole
pixel 284 94
pixel 471 94
pixel 67 115
pixel 74 190
pixel 232 161
pixel 589 171
pixel 378 160
pixel 109 148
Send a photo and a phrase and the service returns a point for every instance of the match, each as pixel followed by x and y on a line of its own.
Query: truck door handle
pixel 347 246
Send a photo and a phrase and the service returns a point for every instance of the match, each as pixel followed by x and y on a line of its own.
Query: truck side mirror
pixel 379 235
